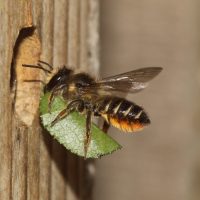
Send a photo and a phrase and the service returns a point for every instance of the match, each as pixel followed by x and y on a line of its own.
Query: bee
pixel 100 98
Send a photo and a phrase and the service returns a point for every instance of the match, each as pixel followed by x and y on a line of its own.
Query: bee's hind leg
pixel 88 132
pixel 73 105
pixel 106 126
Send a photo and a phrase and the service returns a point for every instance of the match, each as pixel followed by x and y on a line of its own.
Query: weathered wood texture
pixel 33 165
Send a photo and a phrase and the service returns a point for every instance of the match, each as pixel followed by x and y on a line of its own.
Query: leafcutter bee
pixel 100 98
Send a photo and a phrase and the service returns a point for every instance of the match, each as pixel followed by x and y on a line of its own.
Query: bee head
pixel 58 79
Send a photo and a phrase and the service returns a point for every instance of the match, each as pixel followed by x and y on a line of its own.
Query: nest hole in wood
pixel 27 50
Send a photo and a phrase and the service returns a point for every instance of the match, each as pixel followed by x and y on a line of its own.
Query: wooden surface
pixel 33 165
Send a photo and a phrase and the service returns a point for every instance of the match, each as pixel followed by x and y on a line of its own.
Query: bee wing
pixel 131 82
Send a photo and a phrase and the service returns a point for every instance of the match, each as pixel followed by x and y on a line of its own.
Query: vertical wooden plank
pixel 33 162
pixel 33 166
pixel 27 50
pixel 93 36
pixel 5 106
pixel 89 62
pixel 83 20
pixel 73 60
pixel 60 32
pixel 13 23
pixel 82 64
pixel 47 30
pixel 46 140
pixel 34 130
pixel 72 177
pixel 19 170
pixel 73 32
pixel 58 170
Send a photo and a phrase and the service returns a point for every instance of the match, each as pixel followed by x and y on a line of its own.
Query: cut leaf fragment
pixel 70 131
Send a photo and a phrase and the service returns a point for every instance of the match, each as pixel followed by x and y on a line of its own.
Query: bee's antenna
pixel 35 81
pixel 45 63
pixel 39 66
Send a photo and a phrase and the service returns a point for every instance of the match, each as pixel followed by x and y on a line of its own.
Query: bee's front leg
pixel 55 92
pixel 73 105
pixel 88 132
pixel 50 100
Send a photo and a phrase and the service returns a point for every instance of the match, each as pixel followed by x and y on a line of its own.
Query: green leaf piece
pixel 70 131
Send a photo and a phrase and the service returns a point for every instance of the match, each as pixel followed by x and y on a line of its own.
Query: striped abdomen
pixel 121 113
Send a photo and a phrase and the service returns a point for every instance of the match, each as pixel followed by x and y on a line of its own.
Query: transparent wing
pixel 129 82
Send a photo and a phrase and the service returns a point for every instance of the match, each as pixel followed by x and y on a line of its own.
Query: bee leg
pixel 65 112
pixel 88 132
pixel 106 126
pixel 50 100
pixel 61 115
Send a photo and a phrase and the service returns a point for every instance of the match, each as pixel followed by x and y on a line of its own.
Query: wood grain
pixel 34 166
